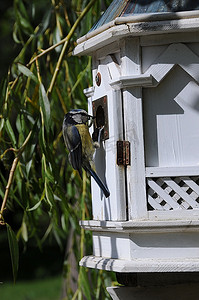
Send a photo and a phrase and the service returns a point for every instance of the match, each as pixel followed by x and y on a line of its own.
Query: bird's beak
pixel 91 117
pixel 91 120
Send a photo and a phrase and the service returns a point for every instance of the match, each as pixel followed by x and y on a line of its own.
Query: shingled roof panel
pixel 122 8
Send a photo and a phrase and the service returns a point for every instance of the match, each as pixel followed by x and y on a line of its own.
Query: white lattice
pixel 171 193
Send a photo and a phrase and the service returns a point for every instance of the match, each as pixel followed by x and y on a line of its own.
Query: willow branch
pixel 46 51
pixel 67 39
pixel 10 149
pixel 11 175
pixel 10 179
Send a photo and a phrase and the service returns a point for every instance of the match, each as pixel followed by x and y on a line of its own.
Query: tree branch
pixel 66 41
pixel 11 175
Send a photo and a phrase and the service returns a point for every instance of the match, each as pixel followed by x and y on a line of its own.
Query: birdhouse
pixel 145 97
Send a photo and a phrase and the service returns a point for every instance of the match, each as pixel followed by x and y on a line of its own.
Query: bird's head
pixel 77 116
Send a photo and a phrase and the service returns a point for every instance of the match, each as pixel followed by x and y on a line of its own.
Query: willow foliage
pixel 44 81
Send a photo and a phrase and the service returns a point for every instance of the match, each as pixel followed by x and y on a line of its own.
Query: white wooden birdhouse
pixel 145 97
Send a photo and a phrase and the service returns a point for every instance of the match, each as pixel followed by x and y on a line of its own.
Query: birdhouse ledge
pixel 141 226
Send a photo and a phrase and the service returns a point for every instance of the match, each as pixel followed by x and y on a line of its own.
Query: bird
pixel 80 144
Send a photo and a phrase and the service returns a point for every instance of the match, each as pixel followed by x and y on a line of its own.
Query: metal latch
pixel 123 153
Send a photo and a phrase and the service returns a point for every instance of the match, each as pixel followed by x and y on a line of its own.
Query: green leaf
pixel 2 122
pixel 14 250
pixel 34 207
pixel 43 164
pixel 24 231
pixel 46 20
pixel 49 176
pixel 24 70
pixel 10 132
pixel 15 33
pixel 49 194
pixel 45 106
pixel 22 9
pixel 38 203
pixel 57 198
pixel 24 22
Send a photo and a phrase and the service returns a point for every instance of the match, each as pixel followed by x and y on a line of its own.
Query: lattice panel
pixel 172 193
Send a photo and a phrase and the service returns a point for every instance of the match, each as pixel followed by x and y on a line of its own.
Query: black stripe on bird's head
pixel 77 116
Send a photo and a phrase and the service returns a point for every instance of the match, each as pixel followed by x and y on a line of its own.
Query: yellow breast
pixel 87 143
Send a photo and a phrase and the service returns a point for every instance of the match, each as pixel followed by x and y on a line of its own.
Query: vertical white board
pixel 133 130
pixel 114 207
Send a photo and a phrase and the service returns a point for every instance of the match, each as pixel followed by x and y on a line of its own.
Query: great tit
pixel 80 145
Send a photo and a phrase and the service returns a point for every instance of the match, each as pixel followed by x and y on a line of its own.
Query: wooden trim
pixel 191 215
pixel 171 171
pixel 147 24
pixel 132 81
pixel 141 265
pixel 170 38
pixel 148 226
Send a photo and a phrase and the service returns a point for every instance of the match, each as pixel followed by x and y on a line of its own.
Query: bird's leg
pixel 97 144
pixel 100 133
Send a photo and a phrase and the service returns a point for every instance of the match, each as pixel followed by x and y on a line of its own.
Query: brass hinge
pixel 123 153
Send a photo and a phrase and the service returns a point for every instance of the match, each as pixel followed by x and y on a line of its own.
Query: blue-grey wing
pixel 73 142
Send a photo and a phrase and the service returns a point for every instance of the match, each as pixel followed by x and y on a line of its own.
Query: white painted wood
pixel 176 192
pixel 174 215
pixel 191 184
pixel 149 17
pixel 169 38
pixel 164 246
pixel 150 54
pixel 151 82
pixel 113 66
pixel 130 56
pixel 157 16
pixel 133 131
pixel 136 171
pixel 102 39
pixel 170 126
pixel 106 245
pixel 155 203
pixel 138 241
pixel 141 265
pixel 124 27
pixel 113 48
pixel 162 193
pixel 172 171
pixel 176 197
pixel 130 81
pixel 112 208
pixel 175 54
pixel 180 191
pixel 148 226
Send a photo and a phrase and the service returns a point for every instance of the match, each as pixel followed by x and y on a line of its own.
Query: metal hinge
pixel 123 153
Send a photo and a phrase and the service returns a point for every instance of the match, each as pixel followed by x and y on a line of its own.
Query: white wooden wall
pixel 133 122
pixel 113 207
pixel 153 102
pixel 171 118
pixel 150 75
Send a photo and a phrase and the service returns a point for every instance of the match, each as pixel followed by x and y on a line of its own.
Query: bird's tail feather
pixel 99 182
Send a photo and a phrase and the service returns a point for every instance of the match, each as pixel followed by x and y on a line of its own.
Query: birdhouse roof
pixel 138 18
pixel 124 8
